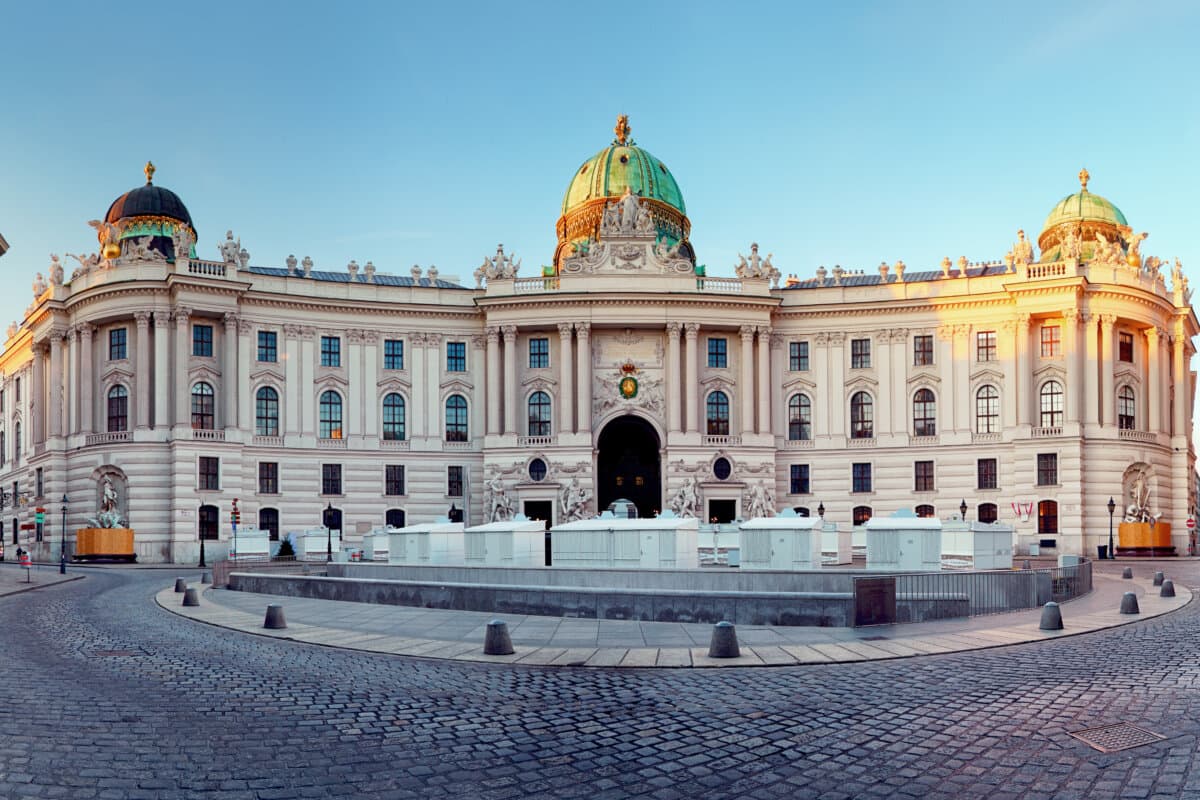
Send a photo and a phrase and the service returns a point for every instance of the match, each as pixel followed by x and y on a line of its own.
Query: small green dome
pixel 621 165
pixel 1083 206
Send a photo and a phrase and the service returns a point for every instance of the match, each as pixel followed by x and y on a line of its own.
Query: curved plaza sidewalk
pixel 553 641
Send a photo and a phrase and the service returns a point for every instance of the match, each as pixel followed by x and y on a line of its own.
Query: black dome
pixel 149 201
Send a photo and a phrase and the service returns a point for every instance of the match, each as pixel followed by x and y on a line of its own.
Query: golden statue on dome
pixel 1083 178
pixel 149 170
pixel 622 129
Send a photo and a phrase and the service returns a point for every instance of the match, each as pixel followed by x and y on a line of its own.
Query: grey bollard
pixel 1168 588
pixel 724 643
pixel 1128 573
pixel 275 620
pixel 1026 565
pixel 1051 617
pixel 180 585
pixel 497 642
pixel 1158 578
pixel 191 597
pixel 206 577
pixel 1129 604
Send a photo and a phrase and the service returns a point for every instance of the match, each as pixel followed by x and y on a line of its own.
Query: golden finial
pixel 622 129
pixel 149 170
pixel 1083 178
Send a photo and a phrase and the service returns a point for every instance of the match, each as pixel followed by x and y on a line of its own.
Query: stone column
pixel 960 396
pixel 692 389
pixel 493 380
pixel 1091 369
pixel 1154 379
pixel 1006 354
pixel 478 395
pixel 881 342
pixel 1108 387
pixel 73 382
pixel 945 367
pixel 37 397
pixel 1072 357
pixel 583 368
pixel 435 363
pixel 245 395
pixel 763 388
pixel 182 394
pixel 162 369
pixel 86 387
pixel 779 407
pixel 510 379
pixel 746 384
pixel 419 422
pixel 674 380
pixel 1024 372
pixel 1164 359
pixel 899 382
pixel 141 369
pixel 55 407
pixel 308 382
pixel 229 372
pixel 1182 383
pixel 566 380
pixel 291 380
pixel 823 403
pixel 355 399
pixel 839 404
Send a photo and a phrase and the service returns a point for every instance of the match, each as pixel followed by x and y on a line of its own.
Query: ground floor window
pixel 926 511
pixel 209 528
pixel 268 520
pixel 1047 517
pixel 987 512
pixel 394 518
pixel 861 514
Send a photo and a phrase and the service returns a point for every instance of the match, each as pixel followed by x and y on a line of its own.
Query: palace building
pixel 1033 388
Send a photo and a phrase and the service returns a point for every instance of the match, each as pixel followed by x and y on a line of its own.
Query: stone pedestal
pixel 104 544
pixel 1143 540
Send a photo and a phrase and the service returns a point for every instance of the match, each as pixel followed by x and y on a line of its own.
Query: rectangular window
pixel 1051 341
pixel 456 356
pixel 331 479
pixel 539 353
pixel 393 479
pixel 1047 469
pixel 860 353
pixel 202 340
pixel 267 346
pixel 117 344
pixel 210 473
pixel 799 479
pixel 40 486
pixel 331 351
pixel 923 476
pixel 268 477
pixel 985 346
pixel 454 481
pixel 718 355
pixel 985 474
pixel 861 474
pixel 798 356
pixel 17 390
pixel 1125 347
pixel 923 350
pixel 1 401
pixel 393 354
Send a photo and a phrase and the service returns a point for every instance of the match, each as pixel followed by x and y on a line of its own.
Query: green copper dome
pixel 1084 206
pixel 623 164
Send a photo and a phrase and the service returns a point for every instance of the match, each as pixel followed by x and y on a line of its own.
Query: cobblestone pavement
pixel 112 697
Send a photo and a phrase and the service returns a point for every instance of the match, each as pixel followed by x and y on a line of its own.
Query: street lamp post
pixel 1112 506
pixel 200 526
pixel 962 510
pixel 62 554
pixel 821 509
pixel 328 533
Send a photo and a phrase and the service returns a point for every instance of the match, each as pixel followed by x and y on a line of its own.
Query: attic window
pixel 624 159
pixel 583 169
pixel 662 169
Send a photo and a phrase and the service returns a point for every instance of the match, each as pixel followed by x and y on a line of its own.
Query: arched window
pixel 1051 398
pixel 3 451
pixel 539 414
pixel 801 511
pixel 987 512
pixel 860 514
pixel 924 413
pixel 717 410
pixel 268 520
pixel 393 418
pixel 862 416
pixel 16 443
pixel 118 409
pixel 926 511
pixel 331 415
pixel 266 412
pixel 799 418
pixel 456 418
pixel 394 518
pixel 202 407
pixel 1047 517
pixel 1125 408
pixel 987 410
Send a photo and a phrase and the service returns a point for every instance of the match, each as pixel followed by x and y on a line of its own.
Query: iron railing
pixel 946 595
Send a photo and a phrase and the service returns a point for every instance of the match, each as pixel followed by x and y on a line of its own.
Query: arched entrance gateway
pixel 628 465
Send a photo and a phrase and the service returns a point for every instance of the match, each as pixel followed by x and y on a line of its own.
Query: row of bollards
pixel 1052 614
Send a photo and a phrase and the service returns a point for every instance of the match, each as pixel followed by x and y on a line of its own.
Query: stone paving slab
pixel 456 635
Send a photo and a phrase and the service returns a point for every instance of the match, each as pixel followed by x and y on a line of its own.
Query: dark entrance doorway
pixel 628 465
pixel 542 510
pixel 208 522
pixel 722 511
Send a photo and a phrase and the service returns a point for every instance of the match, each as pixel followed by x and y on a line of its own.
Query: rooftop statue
pixel 1022 250
pixel 39 286
pixel 497 267
pixel 230 249
pixel 56 271
pixel 181 240
pixel 1071 246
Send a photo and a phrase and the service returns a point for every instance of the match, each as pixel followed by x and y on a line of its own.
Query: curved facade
pixel 1033 391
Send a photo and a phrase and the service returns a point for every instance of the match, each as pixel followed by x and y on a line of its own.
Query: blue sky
pixel 427 133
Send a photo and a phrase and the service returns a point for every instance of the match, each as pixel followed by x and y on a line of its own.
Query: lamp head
pixel 963 508
pixel 1111 506
pixel 821 509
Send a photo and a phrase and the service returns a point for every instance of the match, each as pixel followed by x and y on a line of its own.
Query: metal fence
pixel 946 595
pixel 288 565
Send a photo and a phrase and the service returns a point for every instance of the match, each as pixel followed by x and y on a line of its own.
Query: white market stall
pixel 784 542
pixel 904 542
pixel 517 542
pixel 438 542
pixel 665 541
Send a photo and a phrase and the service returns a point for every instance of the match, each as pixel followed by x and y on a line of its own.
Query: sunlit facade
pixel 1032 389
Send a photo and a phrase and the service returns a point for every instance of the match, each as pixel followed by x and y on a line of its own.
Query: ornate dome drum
pixel 1084 214
pixel 146 211
pixel 605 177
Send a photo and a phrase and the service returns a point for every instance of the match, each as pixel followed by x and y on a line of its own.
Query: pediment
pixel 394 383
pixel 203 372
pixel 987 375
pixel 327 381
pixel 455 385
pixel 535 382
pixel 799 383
pixel 925 379
pixel 1049 371
pixel 267 374
pixel 117 369
pixel 716 382
pixel 862 383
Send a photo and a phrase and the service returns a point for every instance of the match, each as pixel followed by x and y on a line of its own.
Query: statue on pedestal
pixel 686 500
pixel 498 504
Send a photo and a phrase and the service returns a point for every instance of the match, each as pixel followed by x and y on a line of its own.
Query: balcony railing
pixel 213 269
pixel 1056 270
pixel 798 444
pixel 922 441
pixel 108 438
pixel 202 435
pixel 1046 433
pixel 535 285
pixel 984 438
pixel 535 441
pixel 861 442
pixel 331 444
pixel 268 441
pixel 1136 436
pixel 393 444
pixel 722 441
pixel 727 285
pixel 456 446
